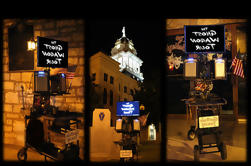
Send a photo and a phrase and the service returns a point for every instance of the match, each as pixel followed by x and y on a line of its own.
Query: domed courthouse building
pixel 115 77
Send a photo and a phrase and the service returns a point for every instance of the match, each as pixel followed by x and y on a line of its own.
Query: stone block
pixel 81 61
pixel 80 71
pixel 77 81
pixel 76 52
pixel 11 97
pixel 7 128
pixel 65 23
pixel 80 91
pixel 49 25
pixel 9 122
pixel 27 77
pixel 5 44
pixel 37 32
pixel 7 140
pixel 12 116
pixel 78 36
pixel 8 85
pixel 59 99
pixel 16 108
pixel 15 76
pixel 18 126
pixel 71 100
pixel 5 68
pixel 67 29
pixel 7 108
pixel 5 60
pixel 6 76
pixel 9 134
pixel 73 60
pixel 79 107
pixel 5 53
pixel 49 33
pixel 20 139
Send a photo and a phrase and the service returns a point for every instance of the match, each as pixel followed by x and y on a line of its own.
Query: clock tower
pixel 125 53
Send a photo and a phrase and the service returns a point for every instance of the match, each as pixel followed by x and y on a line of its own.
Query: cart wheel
pixel 223 151
pixel 22 154
pixel 196 153
pixel 191 134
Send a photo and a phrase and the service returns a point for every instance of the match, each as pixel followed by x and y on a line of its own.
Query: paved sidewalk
pixel 179 148
pixel 10 154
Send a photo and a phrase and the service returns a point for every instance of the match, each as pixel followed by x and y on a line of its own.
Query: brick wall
pixel 70 30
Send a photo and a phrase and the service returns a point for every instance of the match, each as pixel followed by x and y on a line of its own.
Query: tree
pixel 149 95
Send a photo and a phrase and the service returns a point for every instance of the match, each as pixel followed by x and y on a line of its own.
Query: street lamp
pixel 31 45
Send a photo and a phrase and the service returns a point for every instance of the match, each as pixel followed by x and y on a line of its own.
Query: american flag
pixel 143 119
pixel 71 72
pixel 238 67
pixel 70 75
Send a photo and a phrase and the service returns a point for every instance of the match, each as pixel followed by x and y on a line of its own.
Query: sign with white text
pixel 204 38
pixel 208 121
pixel 52 53
pixel 128 108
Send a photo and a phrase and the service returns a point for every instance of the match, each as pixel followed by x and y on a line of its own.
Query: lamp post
pixel 31 45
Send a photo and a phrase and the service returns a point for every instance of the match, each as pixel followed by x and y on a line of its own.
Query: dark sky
pixel 147 36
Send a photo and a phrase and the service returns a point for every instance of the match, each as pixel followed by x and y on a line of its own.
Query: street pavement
pixel 179 148
pixel 10 154
pixel 149 152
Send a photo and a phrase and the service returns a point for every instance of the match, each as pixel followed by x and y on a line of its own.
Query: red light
pixel 170 67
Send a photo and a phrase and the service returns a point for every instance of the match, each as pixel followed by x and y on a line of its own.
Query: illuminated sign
pixel 204 38
pixel 52 53
pixel 128 108
pixel 208 121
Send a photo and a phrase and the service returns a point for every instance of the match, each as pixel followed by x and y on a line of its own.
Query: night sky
pixel 147 36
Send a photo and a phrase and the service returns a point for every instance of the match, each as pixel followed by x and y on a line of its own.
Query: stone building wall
pixel 69 30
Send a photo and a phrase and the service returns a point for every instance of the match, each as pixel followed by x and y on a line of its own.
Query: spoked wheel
pixel 223 151
pixel 191 134
pixel 22 154
pixel 196 153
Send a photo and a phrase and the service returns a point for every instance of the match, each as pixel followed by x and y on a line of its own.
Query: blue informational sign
pixel 128 108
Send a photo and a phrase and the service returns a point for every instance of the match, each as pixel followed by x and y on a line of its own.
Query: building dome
pixel 125 53
pixel 123 44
